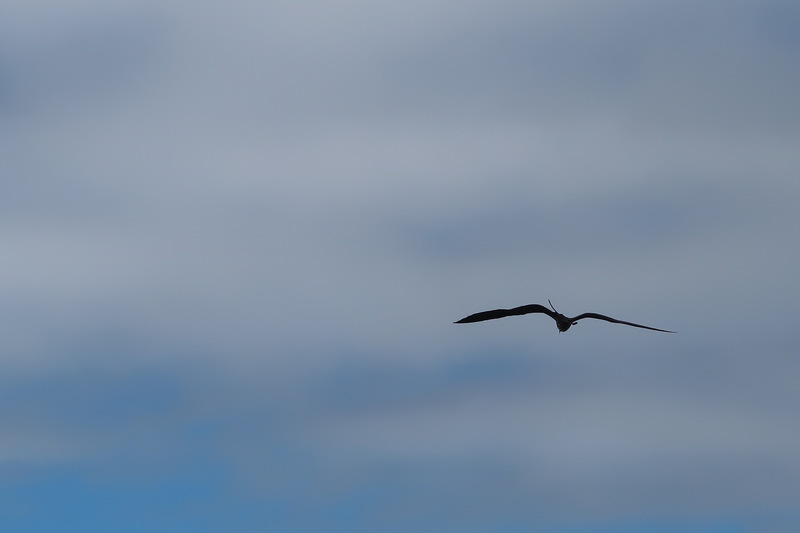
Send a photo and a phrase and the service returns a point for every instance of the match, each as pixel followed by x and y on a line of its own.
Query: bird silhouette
pixel 563 323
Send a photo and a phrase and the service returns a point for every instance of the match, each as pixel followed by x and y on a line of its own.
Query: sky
pixel 235 237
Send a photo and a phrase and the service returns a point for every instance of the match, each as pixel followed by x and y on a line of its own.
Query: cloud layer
pixel 235 238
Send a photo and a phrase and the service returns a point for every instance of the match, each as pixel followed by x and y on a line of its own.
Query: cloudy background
pixel 235 236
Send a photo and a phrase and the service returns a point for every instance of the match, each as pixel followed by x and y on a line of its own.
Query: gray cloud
pixel 237 236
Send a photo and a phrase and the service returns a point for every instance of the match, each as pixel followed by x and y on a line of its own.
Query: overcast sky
pixel 235 236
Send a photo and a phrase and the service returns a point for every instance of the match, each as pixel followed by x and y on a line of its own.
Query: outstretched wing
pixel 500 313
pixel 609 319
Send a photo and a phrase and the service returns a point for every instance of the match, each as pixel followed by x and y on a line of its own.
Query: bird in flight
pixel 563 323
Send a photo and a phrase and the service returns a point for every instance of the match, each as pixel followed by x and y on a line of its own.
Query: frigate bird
pixel 563 323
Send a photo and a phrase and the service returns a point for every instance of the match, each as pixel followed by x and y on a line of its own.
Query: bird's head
pixel 563 323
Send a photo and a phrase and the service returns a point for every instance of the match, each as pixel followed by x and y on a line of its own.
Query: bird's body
pixel 563 322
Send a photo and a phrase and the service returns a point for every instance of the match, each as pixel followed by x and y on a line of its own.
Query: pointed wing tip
pixel 661 330
pixel 653 329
